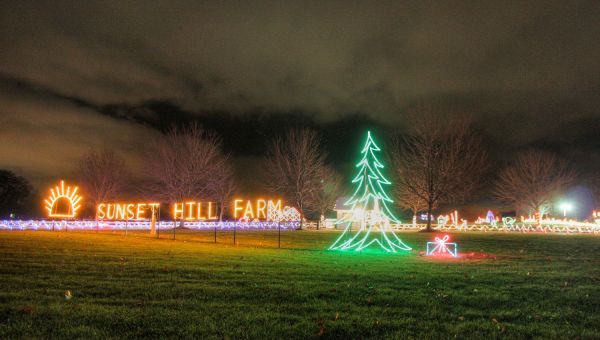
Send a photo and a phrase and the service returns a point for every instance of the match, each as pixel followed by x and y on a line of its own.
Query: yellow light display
pixel 63 202
pixel 195 211
pixel 259 209
pixel 124 211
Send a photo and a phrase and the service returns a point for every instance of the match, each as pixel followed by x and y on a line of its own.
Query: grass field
pixel 544 286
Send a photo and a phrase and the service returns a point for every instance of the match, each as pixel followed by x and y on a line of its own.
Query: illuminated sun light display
pixel 63 202
pixel 441 247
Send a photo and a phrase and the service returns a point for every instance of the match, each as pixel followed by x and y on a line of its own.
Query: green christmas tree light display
pixel 369 207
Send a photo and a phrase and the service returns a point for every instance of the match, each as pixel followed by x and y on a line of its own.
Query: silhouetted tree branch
pixel 185 163
pixel 102 175
pixel 295 163
pixel 438 161
pixel 224 184
pixel 532 180
pixel 330 189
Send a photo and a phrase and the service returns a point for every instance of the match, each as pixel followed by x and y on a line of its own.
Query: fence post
pixel 234 229
pixel 279 232
pixel 216 232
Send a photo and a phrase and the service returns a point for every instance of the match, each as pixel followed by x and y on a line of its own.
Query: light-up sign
pixel 266 210
pixel 259 209
pixel 195 211
pixel 64 201
pixel 125 211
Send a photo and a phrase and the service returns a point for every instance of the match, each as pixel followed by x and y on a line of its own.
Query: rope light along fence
pixel 563 227
pixel 557 227
pixel 141 225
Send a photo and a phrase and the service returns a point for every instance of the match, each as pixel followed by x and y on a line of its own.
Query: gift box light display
pixel 441 247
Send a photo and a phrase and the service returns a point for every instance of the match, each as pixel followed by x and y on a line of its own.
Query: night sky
pixel 81 74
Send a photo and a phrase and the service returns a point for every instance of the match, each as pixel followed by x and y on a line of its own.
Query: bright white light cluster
pixel 290 214
pixel 451 220
pixel 276 214
pixel 508 221
pixel 489 218
pixel 442 220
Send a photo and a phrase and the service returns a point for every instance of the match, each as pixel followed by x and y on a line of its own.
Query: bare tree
pixel 295 164
pixel 406 199
pixel 224 185
pixel 592 180
pixel 102 175
pixel 329 191
pixel 183 164
pixel 532 181
pixel 438 160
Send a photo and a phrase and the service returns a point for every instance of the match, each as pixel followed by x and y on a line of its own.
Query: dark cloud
pixel 42 134
pixel 526 70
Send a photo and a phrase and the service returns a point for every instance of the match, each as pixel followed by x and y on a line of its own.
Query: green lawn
pixel 544 286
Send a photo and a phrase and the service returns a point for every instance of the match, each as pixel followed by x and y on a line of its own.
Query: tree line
pixel 435 162
pixel 188 163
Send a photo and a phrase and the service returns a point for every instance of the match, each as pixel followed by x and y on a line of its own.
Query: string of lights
pixel 140 225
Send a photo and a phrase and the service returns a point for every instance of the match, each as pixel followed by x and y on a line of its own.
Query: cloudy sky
pixel 82 74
